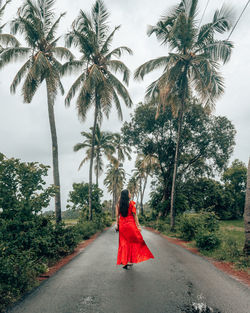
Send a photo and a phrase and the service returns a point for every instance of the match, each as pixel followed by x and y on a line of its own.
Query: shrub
pixel 206 240
pixel 189 224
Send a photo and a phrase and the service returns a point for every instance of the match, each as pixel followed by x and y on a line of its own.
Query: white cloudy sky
pixel 24 128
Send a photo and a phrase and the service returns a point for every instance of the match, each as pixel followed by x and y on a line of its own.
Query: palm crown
pixel 6 39
pixel 36 22
pixel 194 60
pixel 90 34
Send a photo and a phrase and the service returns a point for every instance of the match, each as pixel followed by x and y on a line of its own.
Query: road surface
pixel 173 282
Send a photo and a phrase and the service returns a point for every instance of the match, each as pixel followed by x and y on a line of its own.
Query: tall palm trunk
pixel 113 203
pixel 142 195
pixel 92 155
pixel 97 167
pixel 172 208
pixel 54 154
pixel 247 214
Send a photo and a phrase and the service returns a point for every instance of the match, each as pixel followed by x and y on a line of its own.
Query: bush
pixel 189 224
pixel 206 240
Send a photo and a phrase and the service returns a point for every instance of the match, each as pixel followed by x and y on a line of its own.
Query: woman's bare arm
pixel 136 221
pixel 117 215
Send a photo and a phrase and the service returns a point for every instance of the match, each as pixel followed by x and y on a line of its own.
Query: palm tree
pixel 122 150
pixel 103 145
pixel 247 214
pixel 6 39
pixel 115 178
pixel 36 21
pixel 145 165
pixel 191 66
pixel 133 186
pixel 97 84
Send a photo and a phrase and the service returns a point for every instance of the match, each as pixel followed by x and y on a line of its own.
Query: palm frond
pixel 117 52
pixel 29 87
pixel 63 52
pixel 73 89
pixel 51 33
pixel 117 105
pixel 105 47
pixel 13 54
pixel 120 67
pixel 120 88
pixel 73 66
pixel 219 50
pixel 150 65
pixel 100 15
pixel 7 39
pixel 20 74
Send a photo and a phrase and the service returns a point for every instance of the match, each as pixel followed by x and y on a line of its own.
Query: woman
pixel 132 247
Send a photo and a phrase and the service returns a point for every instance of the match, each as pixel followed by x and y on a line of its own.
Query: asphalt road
pixel 172 282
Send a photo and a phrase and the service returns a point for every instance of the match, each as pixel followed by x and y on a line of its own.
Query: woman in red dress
pixel 132 247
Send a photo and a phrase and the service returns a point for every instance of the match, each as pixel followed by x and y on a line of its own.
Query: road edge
pixel 226 267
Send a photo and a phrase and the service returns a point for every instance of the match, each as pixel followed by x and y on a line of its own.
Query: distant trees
pixel 204 151
pixel 247 214
pixel 103 145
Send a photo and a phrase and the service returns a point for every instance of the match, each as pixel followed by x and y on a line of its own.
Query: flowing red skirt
pixel 132 247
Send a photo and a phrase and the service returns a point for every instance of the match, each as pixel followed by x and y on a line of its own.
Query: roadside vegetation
pixel 177 144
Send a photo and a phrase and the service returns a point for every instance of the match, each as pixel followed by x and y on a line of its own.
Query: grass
pixel 232 224
pixel 232 236
pixel 70 222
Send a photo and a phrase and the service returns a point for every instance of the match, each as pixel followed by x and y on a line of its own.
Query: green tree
pixel 98 86
pixel 247 214
pixel 6 39
pixel 103 145
pixel 22 191
pixel 114 180
pixel 190 67
pixel 36 21
pixel 234 178
pixel 79 201
pixel 206 147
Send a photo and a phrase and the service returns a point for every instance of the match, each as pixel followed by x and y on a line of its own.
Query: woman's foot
pixel 130 264
pixel 125 267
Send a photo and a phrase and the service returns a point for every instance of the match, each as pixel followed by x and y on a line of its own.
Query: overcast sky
pixel 24 128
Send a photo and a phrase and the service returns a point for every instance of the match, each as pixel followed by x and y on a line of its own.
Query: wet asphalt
pixel 173 282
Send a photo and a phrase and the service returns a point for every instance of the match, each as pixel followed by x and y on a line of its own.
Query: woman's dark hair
pixel 124 203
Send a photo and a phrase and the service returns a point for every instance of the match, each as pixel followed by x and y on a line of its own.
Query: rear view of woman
pixel 132 247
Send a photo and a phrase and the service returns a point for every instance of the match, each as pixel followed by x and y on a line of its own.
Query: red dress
pixel 132 247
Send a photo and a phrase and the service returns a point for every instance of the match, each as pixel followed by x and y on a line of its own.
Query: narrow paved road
pixel 176 278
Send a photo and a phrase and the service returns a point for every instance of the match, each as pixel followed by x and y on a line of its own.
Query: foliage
pixel 234 178
pixel 78 198
pixel 22 191
pixel 189 225
pixel 103 144
pixel 207 240
pixel 207 145
pixel 28 240
pixel 91 34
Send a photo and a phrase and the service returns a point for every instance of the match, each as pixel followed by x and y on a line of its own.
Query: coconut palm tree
pixel 103 146
pixel 36 20
pixel 247 214
pixel 114 180
pixel 6 39
pixel 191 66
pixel 97 84
pixel 122 150
pixel 133 186
pixel 145 165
